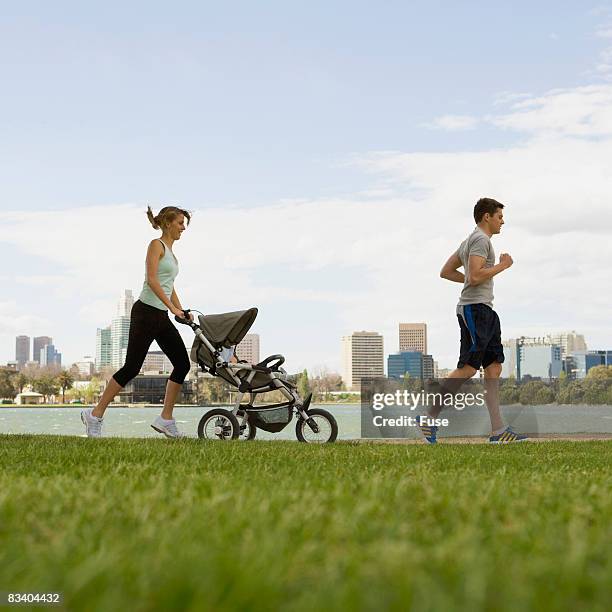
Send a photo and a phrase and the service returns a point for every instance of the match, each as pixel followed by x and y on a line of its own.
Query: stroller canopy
pixel 227 329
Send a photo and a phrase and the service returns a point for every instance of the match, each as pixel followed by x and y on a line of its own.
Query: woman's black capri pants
pixel 148 323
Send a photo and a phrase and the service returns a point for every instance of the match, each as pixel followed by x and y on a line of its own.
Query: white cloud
pixel 509 97
pixel 319 269
pixel 14 318
pixel 582 111
pixel 454 123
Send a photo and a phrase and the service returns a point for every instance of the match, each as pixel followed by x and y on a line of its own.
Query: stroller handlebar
pixel 185 320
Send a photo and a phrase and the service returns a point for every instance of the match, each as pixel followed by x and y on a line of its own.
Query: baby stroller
pixel 216 337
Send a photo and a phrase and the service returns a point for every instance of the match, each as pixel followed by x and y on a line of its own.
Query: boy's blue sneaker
pixel 429 433
pixel 507 436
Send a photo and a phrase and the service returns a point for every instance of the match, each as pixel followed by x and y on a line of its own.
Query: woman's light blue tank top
pixel 167 271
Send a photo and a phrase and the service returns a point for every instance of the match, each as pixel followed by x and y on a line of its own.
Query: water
pixel 135 422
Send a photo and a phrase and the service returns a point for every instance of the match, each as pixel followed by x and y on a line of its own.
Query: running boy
pixel 481 344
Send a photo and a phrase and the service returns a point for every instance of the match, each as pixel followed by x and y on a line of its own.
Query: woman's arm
pixel 174 299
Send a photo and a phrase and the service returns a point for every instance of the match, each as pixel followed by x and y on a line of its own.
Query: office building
pixel 531 357
pixel 362 357
pixel 579 363
pixel 511 359
pixel 540 361
pixel 22 350
pixel 120 329
pixel 126 301
pixel 569 342
pixel 405 362
pixel 413 337
pixel 120 332
pixel 49 356
pixel 151 389
pixel 158 362
pixel 103 348
pixel 429 367
pixel 85 367
pixel 248 348
pixel 413 363
pixel 38 344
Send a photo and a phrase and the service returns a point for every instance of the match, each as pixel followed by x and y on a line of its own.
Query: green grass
pixel 160 525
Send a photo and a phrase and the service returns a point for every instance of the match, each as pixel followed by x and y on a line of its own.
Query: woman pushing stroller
pixel 149 321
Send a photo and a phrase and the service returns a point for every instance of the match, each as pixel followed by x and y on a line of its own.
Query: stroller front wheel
pixel 218 424
pixel 319 428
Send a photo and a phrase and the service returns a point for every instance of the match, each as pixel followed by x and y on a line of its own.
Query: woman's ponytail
pixel 166 215
pixel 152 218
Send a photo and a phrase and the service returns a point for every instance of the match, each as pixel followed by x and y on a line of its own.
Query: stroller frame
pixel 277 382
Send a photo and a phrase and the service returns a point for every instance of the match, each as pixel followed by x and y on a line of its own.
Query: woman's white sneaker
pixel 167 427
pixel 93 424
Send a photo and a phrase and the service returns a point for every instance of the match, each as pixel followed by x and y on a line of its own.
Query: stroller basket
pixel 272 420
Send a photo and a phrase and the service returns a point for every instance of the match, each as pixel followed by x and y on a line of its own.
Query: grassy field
pixel 161 525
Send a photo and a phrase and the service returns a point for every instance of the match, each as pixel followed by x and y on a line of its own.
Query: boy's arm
pixel 450 270
pixel 479 274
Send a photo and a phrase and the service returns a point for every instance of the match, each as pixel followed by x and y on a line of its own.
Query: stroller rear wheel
pixel 218 424
pixel 320 427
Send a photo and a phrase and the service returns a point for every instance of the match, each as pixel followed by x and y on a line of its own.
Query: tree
pixel 324 382
pixel 92 390
pixel 20 381
pixel 211 390
pixel 597 389
pixel 303 384
pixel 509 393
pixel 65 380
pixel 46 384
pixel 7 385
pixel 536 392
pixel 600 372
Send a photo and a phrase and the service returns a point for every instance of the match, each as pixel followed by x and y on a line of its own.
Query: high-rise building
pixel 248 348
pixel 49 356
pixel 126 301
pixel 406 362
pixel 580 362
pixel 413 337
pixel 120 329
pixel 540 360
pixel 103 348
pixel 85 366
pixel 413 363
pixel 120 332
pixel 569 342
pixel 362 357
pixel 429 367
pixel 38 344
pixel 22 350
pixel 511 359
pixel 158 362
pixel 533 357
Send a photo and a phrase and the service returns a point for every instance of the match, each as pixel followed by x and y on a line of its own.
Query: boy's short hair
pixel 485 205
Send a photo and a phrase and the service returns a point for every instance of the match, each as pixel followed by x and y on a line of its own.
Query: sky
pixel 331 153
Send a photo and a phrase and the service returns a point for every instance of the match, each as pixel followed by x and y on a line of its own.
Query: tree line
pixel 596 388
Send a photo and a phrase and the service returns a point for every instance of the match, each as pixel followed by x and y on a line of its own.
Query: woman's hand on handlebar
pixel 177 312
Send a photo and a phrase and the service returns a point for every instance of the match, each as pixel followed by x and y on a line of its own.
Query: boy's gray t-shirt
pixel 477 243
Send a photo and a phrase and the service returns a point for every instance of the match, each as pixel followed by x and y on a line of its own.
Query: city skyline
pixel 328 188
pixel 568 342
